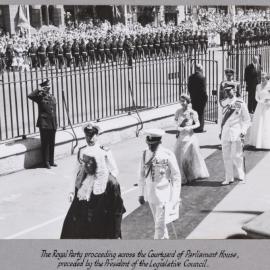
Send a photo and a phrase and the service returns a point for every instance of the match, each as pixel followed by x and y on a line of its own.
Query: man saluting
pixel 234 126
pixel 46 122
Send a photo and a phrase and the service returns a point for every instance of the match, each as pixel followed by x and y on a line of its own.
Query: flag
pixel 116 12
pixel 22 21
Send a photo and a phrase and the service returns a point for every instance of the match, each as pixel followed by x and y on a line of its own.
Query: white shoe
pixel 226 182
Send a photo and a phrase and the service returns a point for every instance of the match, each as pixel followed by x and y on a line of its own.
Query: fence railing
pixel 102 90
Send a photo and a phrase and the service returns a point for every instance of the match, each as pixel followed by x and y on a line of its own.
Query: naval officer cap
pixel 229 71
pixel 45 83
pixel 154 135
pixel 91 129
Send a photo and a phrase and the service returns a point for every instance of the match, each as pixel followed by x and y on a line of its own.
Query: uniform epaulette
pixel 105 148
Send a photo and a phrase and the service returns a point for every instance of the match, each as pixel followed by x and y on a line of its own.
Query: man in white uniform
pixel 160 179
pixel 234 126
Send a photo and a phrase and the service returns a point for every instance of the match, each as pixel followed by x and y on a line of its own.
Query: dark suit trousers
pixel 47 137
pixel 199 108
pixel 252 103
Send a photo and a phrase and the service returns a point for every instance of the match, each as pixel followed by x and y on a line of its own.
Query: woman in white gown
pixel 260 129
pixel 187 149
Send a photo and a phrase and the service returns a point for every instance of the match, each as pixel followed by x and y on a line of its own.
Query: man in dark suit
pixel 46 122
pixel 198 95
pixel 252 78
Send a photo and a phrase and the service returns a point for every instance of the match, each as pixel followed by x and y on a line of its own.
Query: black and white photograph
pixel 134 122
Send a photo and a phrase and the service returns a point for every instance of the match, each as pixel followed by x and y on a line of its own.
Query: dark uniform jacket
pixel 46 109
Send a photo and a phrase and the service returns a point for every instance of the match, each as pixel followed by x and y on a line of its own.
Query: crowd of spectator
pixel 91 43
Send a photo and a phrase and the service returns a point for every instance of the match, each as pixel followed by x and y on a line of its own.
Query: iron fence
pixel 99 91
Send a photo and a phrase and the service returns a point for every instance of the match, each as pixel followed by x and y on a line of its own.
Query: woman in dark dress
pixel 97 208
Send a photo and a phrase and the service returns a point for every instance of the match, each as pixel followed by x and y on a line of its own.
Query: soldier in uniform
pixel 83 52
pixel 59 54
pixel 160 180
pixel 120 48
pixel 90 47
pixel 41 52
pixel 114 49
pixel 145 45
pixel 68 53
pixel 151 45
pixel 107 49
pixel 181 43
pixel 222 95
pixel 100 48
pixel 205 37
pixel 10 54
pixel 167 43
pixel 32 53
pixel 186 42
pixel 129 50
pixel 75 49
pixel 196 41
pixel 172 43
pixel 139 49
pixel 234 126
pixel 46 122
pixel 50 54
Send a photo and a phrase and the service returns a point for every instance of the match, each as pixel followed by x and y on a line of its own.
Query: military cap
pixel 91 129
pixel 46 83
pixel 154 135
pixel 229 71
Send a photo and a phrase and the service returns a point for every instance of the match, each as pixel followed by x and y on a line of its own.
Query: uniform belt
pixel 157 44
pixel 114 48
pixel 139 46
pixel 145 45
pixel 151 45
pixel 107 49
pixel 172 43
pixel 68 53
pixel 92 50
pixel 33 54
pixel 76 53
pixel 84 52
pixel 101 49
pixel 50 52
pixel 60 54
pixel 41 53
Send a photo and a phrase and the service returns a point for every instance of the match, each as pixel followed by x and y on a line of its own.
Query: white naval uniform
pixel 162 185
pixel 232 151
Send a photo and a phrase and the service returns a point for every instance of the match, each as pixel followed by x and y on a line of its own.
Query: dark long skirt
pixel 100 218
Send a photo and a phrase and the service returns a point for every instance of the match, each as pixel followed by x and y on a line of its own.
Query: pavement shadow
pixel 214 146
pixel 30 150
pixel 204 183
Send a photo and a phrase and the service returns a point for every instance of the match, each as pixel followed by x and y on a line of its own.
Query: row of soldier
pixel 111 48
pixel 245 34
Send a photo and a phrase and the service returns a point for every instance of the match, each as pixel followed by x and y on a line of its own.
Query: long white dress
pixel 187 150
pixel 260 129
